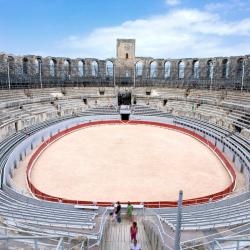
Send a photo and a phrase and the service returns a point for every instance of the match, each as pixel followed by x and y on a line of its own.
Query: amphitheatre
pixel 78 135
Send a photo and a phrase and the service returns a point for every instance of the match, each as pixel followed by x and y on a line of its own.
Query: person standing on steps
pixel 135 246
pixel 113 214
pixel 133 231
pixel 118 212
pixel 130 211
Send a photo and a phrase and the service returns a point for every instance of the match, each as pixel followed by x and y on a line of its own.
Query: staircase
pixel 117 236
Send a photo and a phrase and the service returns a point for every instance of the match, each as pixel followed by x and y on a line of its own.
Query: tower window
pixel 126 55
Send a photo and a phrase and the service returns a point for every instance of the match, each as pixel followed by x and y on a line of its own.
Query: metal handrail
pixel 101 228
pixel 35 239
pixel 237 241
pixel 211 235
pixel 160 233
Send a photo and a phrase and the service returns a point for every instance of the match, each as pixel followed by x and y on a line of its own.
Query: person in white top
pixel 135 246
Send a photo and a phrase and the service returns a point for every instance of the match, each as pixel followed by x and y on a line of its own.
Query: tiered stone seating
pixel 223 216
pixel 240 118
pixel 15 212
pixel 148 111
pixel 79 92
pixel 212 113
pixel 140 91
pixel 209 110
pixel 70 106
pixel 37 216
pixel 211 97
pixel 241 98
pixel 12 98
pixel 101 110
pixel 170 93
pixel 38 108
pixel 44 93
pixel 179 107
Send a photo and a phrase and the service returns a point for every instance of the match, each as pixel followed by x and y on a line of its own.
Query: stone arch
pixel 210 69
pixel 67 68
pixel 196 69
pixel 139 68
pixel 94 68
pixel 109 69
pixel 81 68
pixel 11 64
pixel 25 66
pixel 167 69
pixel 181 69
pixel 53 67
pixel 38 65
pixel 240 65
pixel 225 68
pixel 153 69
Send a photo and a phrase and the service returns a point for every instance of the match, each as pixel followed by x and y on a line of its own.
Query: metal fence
pixel 120 76
pixel 237 243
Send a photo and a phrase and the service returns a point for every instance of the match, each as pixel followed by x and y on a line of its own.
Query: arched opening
pixel 67 68
pixel 11 64
pixel 126 55
pixel 25 66
pixel 81 69
pixel 38 65
pixel 139 69
pixel 210 69
pixel 167 69
pixel 196 69
pixel 225 68
pixel 153 69
pixel 109 69
pixel 181 70
pixel 94 69
pixel 240 67
pixel 52 67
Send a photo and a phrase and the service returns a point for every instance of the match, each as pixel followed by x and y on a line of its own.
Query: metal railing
pixel 15 77
pixel 100 232
pixel 242 242
pixel 151 227
pixel 34 241
pixel 209 239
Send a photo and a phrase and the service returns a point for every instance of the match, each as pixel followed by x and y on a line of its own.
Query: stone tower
pixel 125 49
pixel 125 52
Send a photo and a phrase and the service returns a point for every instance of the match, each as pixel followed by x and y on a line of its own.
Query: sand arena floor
pixel 128 163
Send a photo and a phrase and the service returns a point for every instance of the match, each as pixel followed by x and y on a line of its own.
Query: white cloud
pixel 173 2
pixel 179 33
pixel 229 5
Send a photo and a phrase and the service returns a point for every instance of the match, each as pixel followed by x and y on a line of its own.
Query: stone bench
pixel 86 207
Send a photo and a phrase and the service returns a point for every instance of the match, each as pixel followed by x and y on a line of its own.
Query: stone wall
pixel 16 64
pixel 125 66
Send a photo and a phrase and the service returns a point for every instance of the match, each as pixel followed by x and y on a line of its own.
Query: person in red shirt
pixel 133 231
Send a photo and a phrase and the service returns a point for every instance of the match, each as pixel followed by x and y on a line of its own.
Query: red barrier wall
pixel 153 204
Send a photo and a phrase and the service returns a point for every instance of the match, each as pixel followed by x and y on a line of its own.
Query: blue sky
pixel 162 28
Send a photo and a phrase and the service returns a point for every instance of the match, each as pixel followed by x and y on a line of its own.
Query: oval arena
pixel 119 160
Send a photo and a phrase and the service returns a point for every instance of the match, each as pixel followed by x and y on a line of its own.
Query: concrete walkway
pixel 118 236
